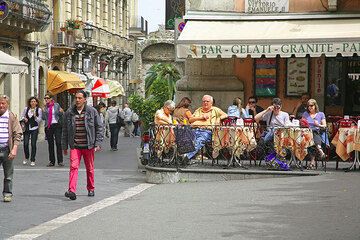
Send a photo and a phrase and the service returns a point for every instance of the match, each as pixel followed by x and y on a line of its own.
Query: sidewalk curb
pixel 160 175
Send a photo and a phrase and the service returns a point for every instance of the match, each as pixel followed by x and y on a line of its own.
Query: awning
pixel 81 76
pixel 100 88
pixel 269 38
pixel 10 64
pixel 60 81
pixel 116 88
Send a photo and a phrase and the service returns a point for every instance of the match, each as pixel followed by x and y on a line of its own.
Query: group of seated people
pixel 206 115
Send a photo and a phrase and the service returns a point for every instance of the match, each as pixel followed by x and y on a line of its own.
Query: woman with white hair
pixel 163 115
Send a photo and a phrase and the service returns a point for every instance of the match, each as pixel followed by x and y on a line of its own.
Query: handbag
pixel 23 125
pixel 304 123
pixel 119 120
pixel 185 139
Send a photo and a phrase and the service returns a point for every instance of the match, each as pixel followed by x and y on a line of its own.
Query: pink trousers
pixel 75 157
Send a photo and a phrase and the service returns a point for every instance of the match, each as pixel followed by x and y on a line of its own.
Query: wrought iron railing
pixel 231 145
pixel 34 12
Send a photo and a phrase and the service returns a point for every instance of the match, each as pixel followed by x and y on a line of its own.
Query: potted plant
pixel 71 24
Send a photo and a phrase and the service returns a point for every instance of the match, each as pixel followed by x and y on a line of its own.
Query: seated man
pixel 163 115
pixel 274 117
pixel 301 107
pixel 206 115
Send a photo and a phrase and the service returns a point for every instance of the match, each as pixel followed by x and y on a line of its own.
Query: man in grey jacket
pixel 83 133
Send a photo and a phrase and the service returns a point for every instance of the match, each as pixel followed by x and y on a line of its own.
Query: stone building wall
pixel 158 47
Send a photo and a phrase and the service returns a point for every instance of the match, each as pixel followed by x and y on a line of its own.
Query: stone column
pixel 210 76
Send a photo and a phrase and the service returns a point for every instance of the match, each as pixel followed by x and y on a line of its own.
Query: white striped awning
pixel 269 38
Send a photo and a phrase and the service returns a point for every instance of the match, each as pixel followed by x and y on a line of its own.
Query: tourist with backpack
pixel 31 117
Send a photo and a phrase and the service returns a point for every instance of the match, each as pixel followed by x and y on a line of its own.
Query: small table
pixel 235 138
pixel 296 139
pixel 347 140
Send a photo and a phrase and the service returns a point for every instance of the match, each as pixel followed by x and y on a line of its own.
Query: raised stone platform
pixel 197 174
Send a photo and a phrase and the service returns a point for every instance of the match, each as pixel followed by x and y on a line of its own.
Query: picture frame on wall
pixel 297 76
pixel 265 77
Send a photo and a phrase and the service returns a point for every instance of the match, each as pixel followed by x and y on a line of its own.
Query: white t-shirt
pixel 280 120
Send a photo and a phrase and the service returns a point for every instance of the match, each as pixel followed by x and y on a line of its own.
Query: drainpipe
pixel 35 82
pixel 332 5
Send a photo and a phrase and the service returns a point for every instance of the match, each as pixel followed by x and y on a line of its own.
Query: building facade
pixel 91 38
pixel 268 48
pixel 23 19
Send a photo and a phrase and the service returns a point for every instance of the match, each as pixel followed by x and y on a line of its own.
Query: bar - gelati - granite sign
pixel 269 50
pixel 266 6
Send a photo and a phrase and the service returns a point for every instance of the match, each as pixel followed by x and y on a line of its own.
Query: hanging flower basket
pixel 71 24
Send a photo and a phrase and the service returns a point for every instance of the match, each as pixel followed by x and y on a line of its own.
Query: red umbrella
pixel 100 89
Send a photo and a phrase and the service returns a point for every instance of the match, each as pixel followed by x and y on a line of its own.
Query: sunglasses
pixel 311 105
pixel 277 106
pixel 251 102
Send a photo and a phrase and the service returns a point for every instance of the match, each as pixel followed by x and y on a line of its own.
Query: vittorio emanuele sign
pixel 290 48
pixel 266 6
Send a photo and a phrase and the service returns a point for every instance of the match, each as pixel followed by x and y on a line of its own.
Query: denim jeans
pixel 8 166
pixel 202 136
pixel 114 135
pixel 34 136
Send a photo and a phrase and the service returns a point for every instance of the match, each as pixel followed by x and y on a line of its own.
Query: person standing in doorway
pixel 111 115
pixel 32 116
pixel 127 113
pixel 83 133
pixel 10 138
pixel 53 116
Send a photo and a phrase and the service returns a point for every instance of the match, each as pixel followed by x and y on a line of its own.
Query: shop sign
pixel 319 76
pixel 266 6
pixel 4 10
pixel 87 64
pixel 256 50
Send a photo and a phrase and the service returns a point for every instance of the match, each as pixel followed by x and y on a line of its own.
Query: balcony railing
pixel 30 15
pixel 100 38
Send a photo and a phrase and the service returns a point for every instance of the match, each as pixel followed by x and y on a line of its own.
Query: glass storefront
pixel 342 92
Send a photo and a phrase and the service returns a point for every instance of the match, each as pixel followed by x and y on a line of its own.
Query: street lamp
pixel 88 31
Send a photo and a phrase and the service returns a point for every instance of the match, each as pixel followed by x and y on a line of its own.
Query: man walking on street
pixel 127 113
pixel 111 116
pixel 10 138
pixel 53 117
pixel 83 133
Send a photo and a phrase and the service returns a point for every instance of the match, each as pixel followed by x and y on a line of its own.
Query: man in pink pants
pixel 83 133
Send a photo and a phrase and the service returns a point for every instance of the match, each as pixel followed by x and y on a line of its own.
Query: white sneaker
pixel 25 162
pixel 32 164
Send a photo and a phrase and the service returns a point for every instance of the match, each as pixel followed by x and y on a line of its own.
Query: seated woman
pixel 317 123
pixel 236 110
pixel 163 115
pixel 182 113
pixel 164 134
